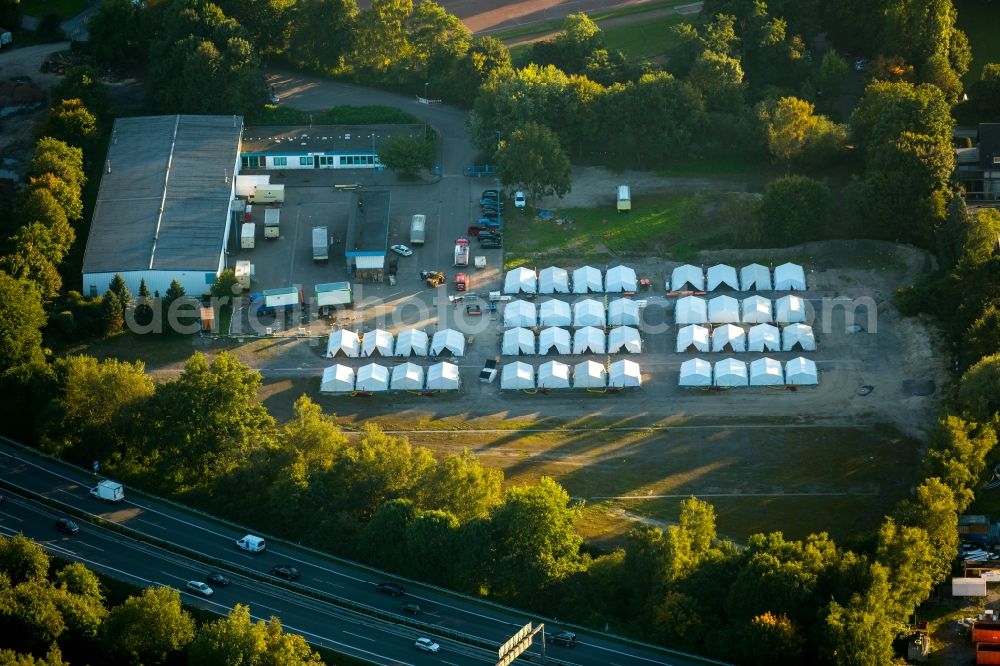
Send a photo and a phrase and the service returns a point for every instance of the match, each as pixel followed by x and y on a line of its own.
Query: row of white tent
pixel 411 342
pixel 554 280
pixel 787 277
pixel 587 312
pixel 556 375
pixel 378 378
pixel 761 372
pixel 762 337
pixel 727 310
pixel 586 340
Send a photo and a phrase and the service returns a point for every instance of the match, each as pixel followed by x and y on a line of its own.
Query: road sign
pixel 515 639
pixel 516 652
pixel 97 466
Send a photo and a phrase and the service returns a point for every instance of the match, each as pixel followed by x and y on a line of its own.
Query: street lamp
pixel 374 161
pixel 425 91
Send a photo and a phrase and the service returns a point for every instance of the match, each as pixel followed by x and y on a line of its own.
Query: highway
pixel 323 621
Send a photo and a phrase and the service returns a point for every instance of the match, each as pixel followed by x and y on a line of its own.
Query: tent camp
pixel 801 372
pixel 553 375
pixel 407 377
pixel 520 281
pixel 728 338
pixel 757 310
pixel 693 338
pixel 448 340
pixel 619 279
pixel 555 313
pixel 724 310
pixel 763 337
pixel 691 310
pixel 625 374
pixel 554 339
pixel 721 276
pixel 443 377
pixel 789 277
pixel 695 372
pixel 587 280
pixel 520 313
pixel 588 340
pixel 730 372
pixel 766 372
pixel 687 277
pixel 411 342
pixel 789 310
pixel 337 379
pixel 589 374
pixel 517 375
pixel 798 336
pixel 372 377
pixel 755 277
pixel 343 342
pixel 588 312
pixel 624 338
pixel 377 342
pixel 553 280
pixel 517 341
pixel 623 312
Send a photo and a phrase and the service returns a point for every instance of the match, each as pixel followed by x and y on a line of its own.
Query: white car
pixel 519 199
pixel 401 250
pixel 198 587
pixel 427 645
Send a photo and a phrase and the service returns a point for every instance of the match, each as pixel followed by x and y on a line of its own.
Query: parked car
pixel 490 194
pixel 491 244
pixel 216 578
pixel 413 609
pixel 285 571
pixel 198 587
pixel 566 638
pixel 68 526
pixel 427 645
pixel 390 588
pixel 490 215
pixel 519 201
pixel 401 250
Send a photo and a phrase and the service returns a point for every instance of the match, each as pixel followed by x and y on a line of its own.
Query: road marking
pixel 142 520
pixel 329 582
pixel 358 636
pixel 20 520
pixel 270 608
pixel 91 546
pixel 449 663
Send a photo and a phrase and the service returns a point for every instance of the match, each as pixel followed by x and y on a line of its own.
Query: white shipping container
pixel 248 233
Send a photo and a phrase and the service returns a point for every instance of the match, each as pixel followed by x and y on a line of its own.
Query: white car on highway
pixel 427 645
pixel 198 587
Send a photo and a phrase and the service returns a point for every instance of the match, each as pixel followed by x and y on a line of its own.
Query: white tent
pixel 623 312
pixel 589 374
pixel 343 342
pixel 766 372
pixel 588 312
pixel 337 379
pixel 517 375
pixel 789 310
pixel 757 310
pixel 755 277
pixel 520 313
pixel 588 340
pixel 789 277
pixel 554 338
pixel 555 313
pixel 625 374
pixel 411 342
pixel 586 280
pixel 620 278
pixel 763 337
pixel 377 341
pixel 691 310
pixel 687 276
pixel 730 372
pixel 724 310
pixel 372 377
pixel 553 280
pixel 553 375
pixel 448 340
pixel 728 338
pixel 692 335
pixel 407 377
pixel 722 275
pixel 624 337
pixel 517 341
pixel 443 377
pixel 695 372
pixel 801 372
pixel 799 335
pixel 520 280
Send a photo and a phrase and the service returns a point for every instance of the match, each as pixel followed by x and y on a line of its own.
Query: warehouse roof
pixel 163 201
pixel 329 139
pixel 368 224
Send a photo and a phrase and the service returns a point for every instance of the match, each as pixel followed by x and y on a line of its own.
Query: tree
pixel 794 209
pixel 719 79
pixel 175 294
pixel 10 12
pixel 267 22
pixel 771 639
pixel 52 658
pixel 533 159
pixel 788 124
pixel 120 289
pixel 437 39
pixel 39 205
pixel 407 154
pixel 571 49
pixel 313 435
pixel 487 59
pixel 464 487
pixel 21 320
pixel 115 33
pixel 860 633
pixel 76 578
pixel 833 75
pixel 887 109
pixel 430 543
pixel 326 48
pixel 59 158
pixel 70 121
pixel 66 194
pixel 237 639
pixel 657 115
pixel 381 40
pixel 33 248
pixel 150 628
pixel 984 94
pixel 143 307
pixel 84 83
pixel 112 313
pixel 226 285
pixel 22 560
pixel 957 456
pixel 383 543
pixel 934 511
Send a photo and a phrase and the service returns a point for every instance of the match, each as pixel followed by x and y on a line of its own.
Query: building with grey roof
pixel 319 147
pixel 163 208
pixel 368 234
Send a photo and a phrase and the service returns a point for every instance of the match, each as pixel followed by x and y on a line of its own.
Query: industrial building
pixel 319 147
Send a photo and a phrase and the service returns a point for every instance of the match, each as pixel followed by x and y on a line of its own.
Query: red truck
pixel 461 281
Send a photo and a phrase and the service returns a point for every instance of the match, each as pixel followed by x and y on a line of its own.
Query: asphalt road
pixel 321 623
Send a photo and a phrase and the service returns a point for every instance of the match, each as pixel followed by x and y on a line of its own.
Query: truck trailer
pixel 248 234
pixel 272 222
pixel 417 229
pixel 321 244
pixel 110 491
pixel 462 252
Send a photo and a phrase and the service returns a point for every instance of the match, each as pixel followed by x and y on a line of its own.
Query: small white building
pixel 722 276
pixel 407 377
pixel 588 312
pixel 766 372
pixel 695 372
pixel 587 280
pixel 619 279
pixel 520 281
pixel 789 277
pixel 755 278
pixel 789 310
pixel 693 338
pixel 623 312
pixel 730 372
pixel 553 375
pixel 624 338
pixel 687 278
pixel 691 310
pixel 589 340
pixel 412 342
pixel 801 372
pixel 343 342
pixel 764 338
pixel 377 343
pixel 757 310
pixel 443 377
pixel 517 341
pixel 337 379
pixel 796 337
pixel 520 313
pixel 724 310
pixel 372 377
pixel 448 340
pixel 517 375
pixel 728 338
pixel 590 374
pixel 555 313
pixel 625 374
pixel 553 338
pixel 553 280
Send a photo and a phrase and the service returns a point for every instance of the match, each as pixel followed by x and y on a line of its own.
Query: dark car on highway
pixel 390 588
pixel 68 526
pixel 285 571
pixel 566 638
pixel 216 578
pixel 411 608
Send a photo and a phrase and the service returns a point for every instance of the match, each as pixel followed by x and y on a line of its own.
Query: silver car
pixel 427 645
pixel 198 587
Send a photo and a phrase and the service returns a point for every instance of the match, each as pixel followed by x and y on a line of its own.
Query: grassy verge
pixel 979 21
pixel 644 39
pixel 555 25
pixel 153 350
pixel 66 9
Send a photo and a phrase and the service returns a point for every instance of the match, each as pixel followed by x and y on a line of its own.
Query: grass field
pixel 64 8
pixel 555 25
pixel 979 21
pixel 643 39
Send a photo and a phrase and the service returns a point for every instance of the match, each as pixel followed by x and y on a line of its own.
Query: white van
pixel 624 199
pixel 251 543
